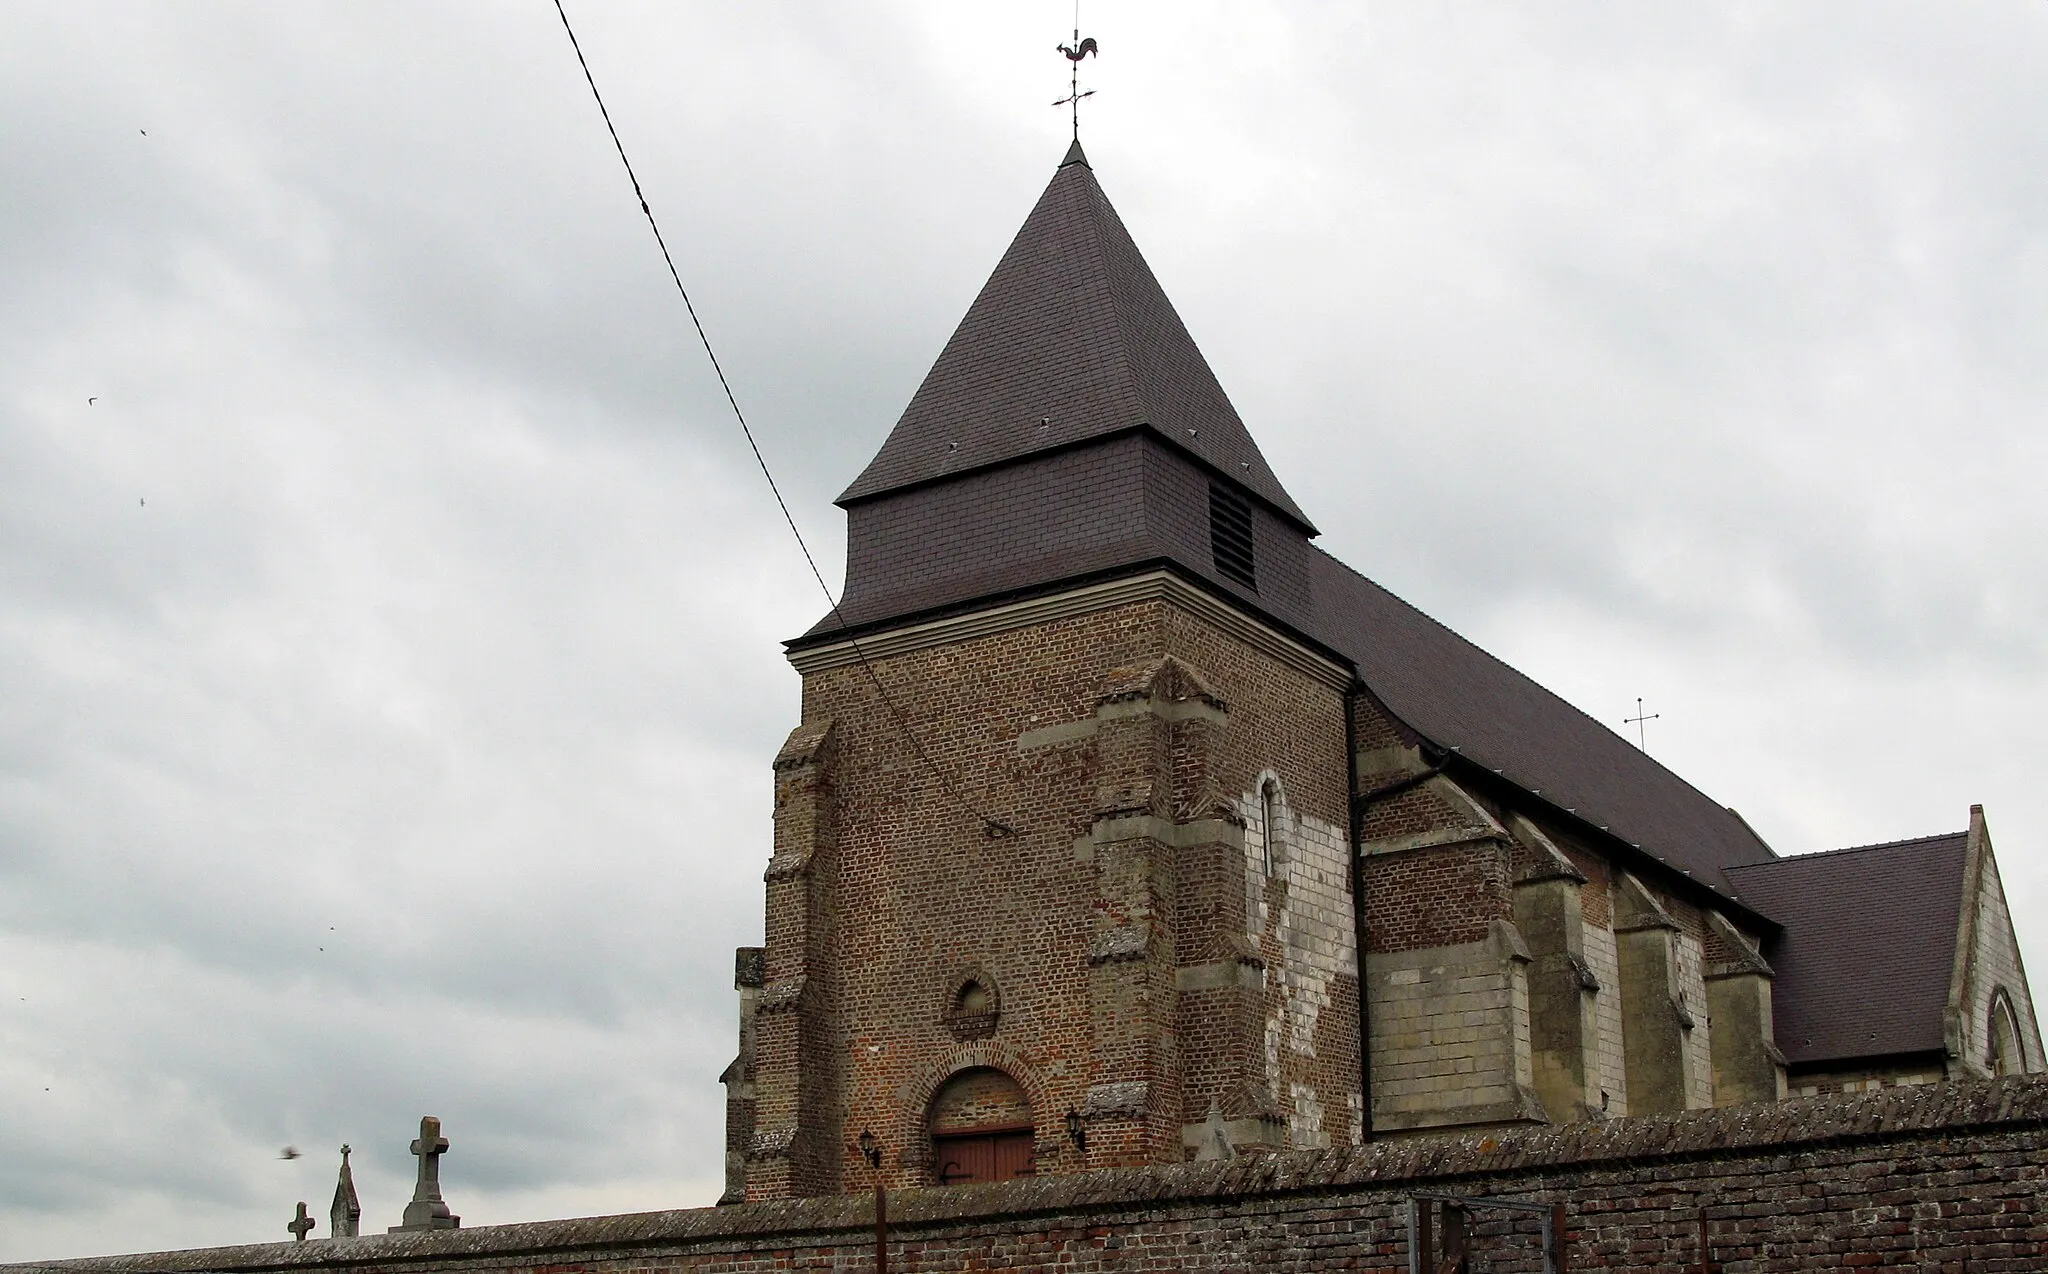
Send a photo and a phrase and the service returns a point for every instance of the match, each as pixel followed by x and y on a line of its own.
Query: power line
pixel 990 826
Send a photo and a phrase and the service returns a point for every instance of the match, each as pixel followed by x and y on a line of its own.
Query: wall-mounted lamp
pixel 869 1150
pixel 1077 1131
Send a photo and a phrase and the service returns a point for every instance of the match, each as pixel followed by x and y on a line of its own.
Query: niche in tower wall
pixel 973 1005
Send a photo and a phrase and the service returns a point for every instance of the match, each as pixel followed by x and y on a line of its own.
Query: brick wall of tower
pixel 1145 971
pixel 1299 915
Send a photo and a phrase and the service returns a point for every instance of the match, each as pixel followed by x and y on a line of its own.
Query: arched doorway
pixel 980 1125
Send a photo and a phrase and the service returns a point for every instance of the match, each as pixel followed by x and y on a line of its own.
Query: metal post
pixel 1706 1246
pixel 881 1230
pixel 1421 1236
pixel 1454 1259
pixel 1553 1240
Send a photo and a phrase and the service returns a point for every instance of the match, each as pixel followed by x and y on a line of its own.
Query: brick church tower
pixel 1075 894
pixel 1108 782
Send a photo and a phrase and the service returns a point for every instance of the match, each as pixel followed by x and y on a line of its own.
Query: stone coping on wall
pixel 1774 1127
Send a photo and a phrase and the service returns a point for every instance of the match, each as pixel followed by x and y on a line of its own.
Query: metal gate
pixel 1439 1231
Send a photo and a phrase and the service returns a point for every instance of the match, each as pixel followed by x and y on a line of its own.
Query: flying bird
pixel 90 401
pixel 143 131
pixel 289 1152
pixel 1081 50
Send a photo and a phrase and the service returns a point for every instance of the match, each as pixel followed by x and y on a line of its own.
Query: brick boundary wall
pixel 1946 1177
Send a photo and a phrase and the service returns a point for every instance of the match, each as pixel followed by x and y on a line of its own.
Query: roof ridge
pixel 1455 634
pixel 1851 849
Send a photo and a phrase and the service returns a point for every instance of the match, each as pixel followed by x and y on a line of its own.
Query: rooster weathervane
pixel 1079 49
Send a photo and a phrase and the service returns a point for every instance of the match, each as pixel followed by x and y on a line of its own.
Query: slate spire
pixel 1071 339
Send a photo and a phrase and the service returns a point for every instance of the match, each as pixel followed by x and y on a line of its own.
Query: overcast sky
pixel 390 614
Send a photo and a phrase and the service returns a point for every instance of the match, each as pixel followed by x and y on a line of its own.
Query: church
pixel 1123 826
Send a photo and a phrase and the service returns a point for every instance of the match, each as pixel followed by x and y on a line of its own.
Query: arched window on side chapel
pixel 2007 1056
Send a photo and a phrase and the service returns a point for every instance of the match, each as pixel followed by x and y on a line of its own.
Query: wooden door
pixel 1011 1154
pixel 995 1155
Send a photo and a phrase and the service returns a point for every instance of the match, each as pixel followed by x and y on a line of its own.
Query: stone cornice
pixel 1156 585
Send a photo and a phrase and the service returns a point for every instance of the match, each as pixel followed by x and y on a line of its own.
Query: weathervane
pixel 1075 52
pixel 1642 736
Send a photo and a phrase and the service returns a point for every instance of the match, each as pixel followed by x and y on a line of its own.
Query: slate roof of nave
pixel 1459 696
pixel 1071 339
pixel 1869 945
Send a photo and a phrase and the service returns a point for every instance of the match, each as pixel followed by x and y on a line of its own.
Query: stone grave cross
pixel 301 1224
pixel 427 1211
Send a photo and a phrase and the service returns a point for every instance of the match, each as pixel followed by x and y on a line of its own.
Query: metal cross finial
pixel 301 1224
pixel 1079 49
pixel 1642 737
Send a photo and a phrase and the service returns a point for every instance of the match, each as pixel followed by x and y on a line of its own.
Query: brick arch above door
pixel 982 1128
pixel 915 1097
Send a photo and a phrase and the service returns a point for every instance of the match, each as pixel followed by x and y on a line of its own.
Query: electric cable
pixel 990 826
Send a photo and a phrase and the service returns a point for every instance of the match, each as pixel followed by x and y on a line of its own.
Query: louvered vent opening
pixel 1230 536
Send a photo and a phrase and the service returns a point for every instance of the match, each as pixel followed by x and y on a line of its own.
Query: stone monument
pixel 427 1211
pixel 345 1215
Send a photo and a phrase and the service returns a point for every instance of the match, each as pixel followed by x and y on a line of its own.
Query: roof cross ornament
pixel 1642 736
pixel 1079 49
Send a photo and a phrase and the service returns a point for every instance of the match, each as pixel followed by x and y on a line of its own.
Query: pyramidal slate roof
pixel 1071 339
pixel 1869 945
